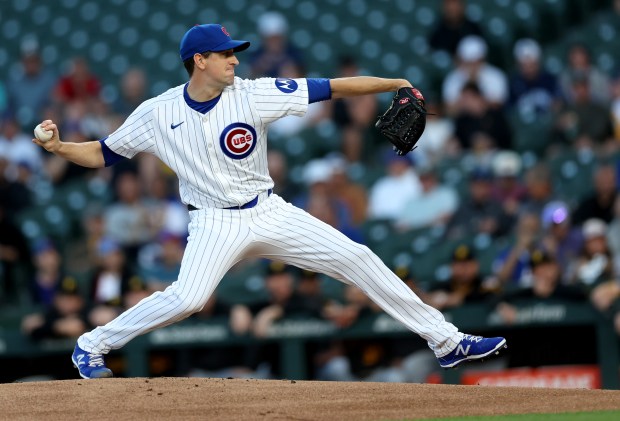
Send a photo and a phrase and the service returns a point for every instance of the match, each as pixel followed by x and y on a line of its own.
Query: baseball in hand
pixel 42 134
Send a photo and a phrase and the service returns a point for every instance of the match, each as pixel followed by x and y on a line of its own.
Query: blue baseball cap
pixel 208 37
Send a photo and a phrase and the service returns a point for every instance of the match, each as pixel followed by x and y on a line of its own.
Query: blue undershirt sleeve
pixel 318 90
pixel 109 157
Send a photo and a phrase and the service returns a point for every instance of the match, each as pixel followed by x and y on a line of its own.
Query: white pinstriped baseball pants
pixel 274 229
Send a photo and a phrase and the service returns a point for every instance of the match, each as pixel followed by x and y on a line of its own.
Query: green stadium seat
pixel 530 132
pixel 572 176
pixel 430 266
pixel 377 231
pixel 243 284
pixel 288 4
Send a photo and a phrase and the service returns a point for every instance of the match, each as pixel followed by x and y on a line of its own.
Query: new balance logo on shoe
pixel 79 359
pixel 462 351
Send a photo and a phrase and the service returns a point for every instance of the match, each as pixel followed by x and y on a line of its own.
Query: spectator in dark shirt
pixel 283 301
pixel 48 274
pixel 452 27
pixel 14 255
pixel 275 51
pixel 278 170
pixel 14 194
pixel 533 90
pixel 479 213
pixel 474 115
pixel 584 116
pixel 310 292
pixel 66 318
pixel 465 284
pixel 601 203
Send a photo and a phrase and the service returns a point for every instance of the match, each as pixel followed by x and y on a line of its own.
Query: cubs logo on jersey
pixel 286 85
pixel 238 140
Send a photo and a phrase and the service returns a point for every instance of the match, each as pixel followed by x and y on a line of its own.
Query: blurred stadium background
pixel 507 183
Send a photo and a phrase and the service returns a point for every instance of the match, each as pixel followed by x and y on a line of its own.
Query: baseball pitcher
pixel 212 131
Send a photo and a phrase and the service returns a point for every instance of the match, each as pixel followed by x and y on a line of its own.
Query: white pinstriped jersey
pixel 219 157
pixel 221 161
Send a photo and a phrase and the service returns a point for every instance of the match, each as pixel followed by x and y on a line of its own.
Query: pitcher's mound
pixel 222 399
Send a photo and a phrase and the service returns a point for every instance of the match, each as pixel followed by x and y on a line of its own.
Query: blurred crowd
pixel 554 247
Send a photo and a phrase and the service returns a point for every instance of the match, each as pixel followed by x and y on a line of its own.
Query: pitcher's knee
pixel 186 304
pixel 192 306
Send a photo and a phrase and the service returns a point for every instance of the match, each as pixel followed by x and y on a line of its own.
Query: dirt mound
pixel 222 399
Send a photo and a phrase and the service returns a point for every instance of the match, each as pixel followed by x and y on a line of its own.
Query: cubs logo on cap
pixel 238 140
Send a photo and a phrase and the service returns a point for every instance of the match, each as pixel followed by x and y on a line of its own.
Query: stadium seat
pixel 572 175
pixel 243 283
pixel 531 132
pixel 377 232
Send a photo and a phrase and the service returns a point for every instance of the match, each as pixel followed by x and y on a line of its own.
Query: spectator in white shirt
pixel 17 148
pixel 472 67
pixel 390 193
pixel 434 207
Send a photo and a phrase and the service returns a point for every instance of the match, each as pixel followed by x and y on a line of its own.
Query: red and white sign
pixel 561 377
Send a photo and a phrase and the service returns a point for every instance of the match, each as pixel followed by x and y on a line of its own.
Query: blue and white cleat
pixel 472 348
pixel 90 366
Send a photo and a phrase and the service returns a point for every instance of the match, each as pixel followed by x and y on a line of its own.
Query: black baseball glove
pixel 404 122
